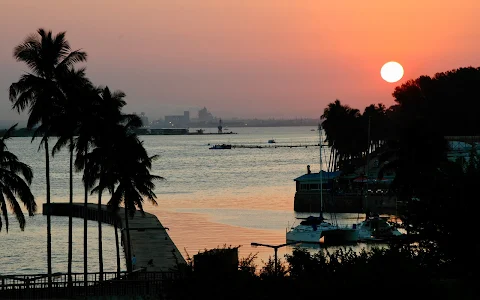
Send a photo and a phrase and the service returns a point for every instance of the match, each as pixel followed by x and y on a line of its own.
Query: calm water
pixel 210 198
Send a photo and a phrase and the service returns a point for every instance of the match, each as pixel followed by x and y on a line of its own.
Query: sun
pixel 392 71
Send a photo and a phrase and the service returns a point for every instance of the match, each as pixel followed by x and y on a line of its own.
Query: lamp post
pixel 275 248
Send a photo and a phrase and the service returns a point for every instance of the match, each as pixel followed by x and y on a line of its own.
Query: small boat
pixel 221 146
pixel 272 141
pixel 375 228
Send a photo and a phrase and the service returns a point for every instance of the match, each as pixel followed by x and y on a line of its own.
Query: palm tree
pixel 88 126
pixel 341 124
pixel 75 86
pixel 131 170
pixel 12 185
pixel 48 57
pixel 109 118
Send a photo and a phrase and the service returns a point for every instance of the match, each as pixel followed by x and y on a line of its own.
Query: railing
pixel 135 283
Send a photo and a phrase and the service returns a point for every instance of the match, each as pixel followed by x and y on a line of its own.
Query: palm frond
pixel 28 52
pixel 62 141
pixel 72 58
pixel 3 208
pixel 8 134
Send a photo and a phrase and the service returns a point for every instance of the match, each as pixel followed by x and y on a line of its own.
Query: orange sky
pixel 248 58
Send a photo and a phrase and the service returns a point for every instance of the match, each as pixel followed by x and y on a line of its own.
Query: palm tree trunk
pixel 330 161
pixel 118 249
pixel 49 223
pixel 70 211
pixel 85 208
pixel 334 160
pixel 100 251
pixel 128 252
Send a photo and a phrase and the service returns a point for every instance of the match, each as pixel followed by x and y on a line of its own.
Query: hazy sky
pixel 247 58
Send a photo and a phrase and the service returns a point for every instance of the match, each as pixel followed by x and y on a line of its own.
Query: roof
pixel 315 177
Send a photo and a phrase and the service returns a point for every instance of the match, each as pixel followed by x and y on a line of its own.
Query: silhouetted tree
pixel 48 57
pixel 131 168
pixel 88 126
pixel 15 180
pixel 110 120
pixel 342 125
pixel 75 86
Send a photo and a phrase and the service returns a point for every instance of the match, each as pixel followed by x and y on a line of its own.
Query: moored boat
pixel 221 146
pixel 375 228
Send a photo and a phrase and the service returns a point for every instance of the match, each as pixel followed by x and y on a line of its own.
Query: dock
pixel 148 237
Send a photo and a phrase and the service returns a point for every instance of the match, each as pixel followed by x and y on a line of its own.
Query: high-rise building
pixel 179 120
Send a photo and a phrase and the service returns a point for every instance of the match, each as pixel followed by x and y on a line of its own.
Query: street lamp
pixel 275 248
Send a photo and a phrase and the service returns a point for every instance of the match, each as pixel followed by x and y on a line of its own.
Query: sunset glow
pixel 248 58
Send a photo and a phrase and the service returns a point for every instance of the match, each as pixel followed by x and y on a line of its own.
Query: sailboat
pixel 313 228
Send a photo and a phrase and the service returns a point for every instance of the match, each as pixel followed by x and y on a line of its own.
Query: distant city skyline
pixel 217 114
pixel 14 116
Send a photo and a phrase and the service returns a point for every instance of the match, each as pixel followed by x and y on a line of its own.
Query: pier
pixel 149 239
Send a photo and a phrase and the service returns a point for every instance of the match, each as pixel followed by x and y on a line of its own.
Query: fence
pixel 138 283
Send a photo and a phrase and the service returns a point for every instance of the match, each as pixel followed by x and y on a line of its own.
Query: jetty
pixel 149 239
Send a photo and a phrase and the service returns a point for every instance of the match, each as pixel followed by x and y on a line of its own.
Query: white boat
pixel 314 228
pixel 375 228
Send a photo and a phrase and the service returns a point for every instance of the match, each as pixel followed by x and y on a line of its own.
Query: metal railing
pixel 135 283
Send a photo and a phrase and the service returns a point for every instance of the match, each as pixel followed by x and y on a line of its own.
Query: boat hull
pixel 331 235
pixel 341 236
pixel 367 231
pixel 219 147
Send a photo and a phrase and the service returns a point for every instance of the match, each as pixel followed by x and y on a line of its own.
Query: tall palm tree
pixel 75 86
pixel 131 170
pixel 109 117
pixel 15 180
pixel 88 116
pixel 48 57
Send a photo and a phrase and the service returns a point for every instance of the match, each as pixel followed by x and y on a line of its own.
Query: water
pixel 210 198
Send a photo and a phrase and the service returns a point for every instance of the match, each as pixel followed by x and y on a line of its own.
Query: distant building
pixel 178 121
pixel 144 119
pixel 204 115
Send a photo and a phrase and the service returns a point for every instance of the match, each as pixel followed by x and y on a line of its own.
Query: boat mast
pixel 321 178
pixel 366 166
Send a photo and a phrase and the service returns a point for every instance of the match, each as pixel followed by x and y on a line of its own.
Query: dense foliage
pixel 398 271
pixel 439 194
